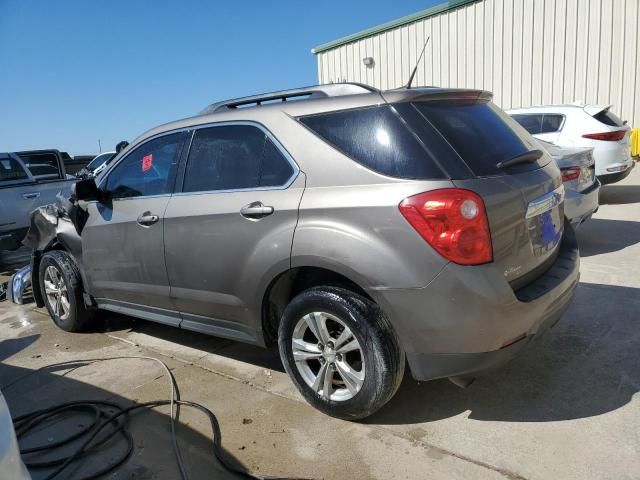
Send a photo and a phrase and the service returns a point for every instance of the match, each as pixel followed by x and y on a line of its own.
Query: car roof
pixel 320 98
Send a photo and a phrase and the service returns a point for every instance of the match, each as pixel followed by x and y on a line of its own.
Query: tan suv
pixel 357 229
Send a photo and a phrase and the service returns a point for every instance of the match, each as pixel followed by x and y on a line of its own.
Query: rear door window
pixel 234 157
pixel 377 138
pixel 276 169
pixel 481 133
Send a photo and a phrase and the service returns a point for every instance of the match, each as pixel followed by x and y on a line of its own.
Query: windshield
pixel 100 159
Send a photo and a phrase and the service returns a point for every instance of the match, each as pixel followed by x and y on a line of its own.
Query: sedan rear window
pixel 377 138
pixel 480 132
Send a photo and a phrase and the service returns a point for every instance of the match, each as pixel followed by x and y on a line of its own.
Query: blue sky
pixel 75 71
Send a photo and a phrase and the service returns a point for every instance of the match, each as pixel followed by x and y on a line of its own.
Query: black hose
pixel 109 419
pixel 26 422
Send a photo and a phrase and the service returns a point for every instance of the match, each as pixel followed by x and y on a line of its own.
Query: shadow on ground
pixel 598 236
pixel 589 364
pixel 267 358
pixel 619 194
pixel 152 455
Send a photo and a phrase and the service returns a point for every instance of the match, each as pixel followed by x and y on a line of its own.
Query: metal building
pixel 527 52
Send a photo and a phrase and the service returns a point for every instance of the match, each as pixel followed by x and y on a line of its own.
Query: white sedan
pixel 579 125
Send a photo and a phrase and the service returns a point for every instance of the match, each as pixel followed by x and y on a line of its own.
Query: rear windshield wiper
pixel 526 157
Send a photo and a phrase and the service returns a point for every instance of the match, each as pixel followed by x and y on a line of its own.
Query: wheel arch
pixel 289 283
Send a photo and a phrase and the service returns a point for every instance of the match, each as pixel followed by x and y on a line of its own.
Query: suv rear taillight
pixel 570 173
pixel 614 136
pixel 454 222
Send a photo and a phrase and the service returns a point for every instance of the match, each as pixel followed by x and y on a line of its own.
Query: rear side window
pixel 480 132
pixel 539 123
pixel 376 138
pixel 551 122
pixel 532 123
pixel 608 118
pixel 234 157
pixel 11 170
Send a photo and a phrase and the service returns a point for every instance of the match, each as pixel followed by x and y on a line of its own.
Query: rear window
pixel 608 118
pixel 480 132
pixel 376 138
pixel 42 165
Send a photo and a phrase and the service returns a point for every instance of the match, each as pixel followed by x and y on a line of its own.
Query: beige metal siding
pixel 527 52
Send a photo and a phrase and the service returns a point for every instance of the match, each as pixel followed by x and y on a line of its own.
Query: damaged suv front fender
pixel 55 226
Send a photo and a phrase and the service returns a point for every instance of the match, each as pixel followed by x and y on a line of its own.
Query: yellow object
pixel 635 142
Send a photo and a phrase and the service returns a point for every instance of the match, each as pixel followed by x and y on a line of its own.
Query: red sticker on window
pixel 147 161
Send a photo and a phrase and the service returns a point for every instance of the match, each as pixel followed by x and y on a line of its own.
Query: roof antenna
pixel 415 69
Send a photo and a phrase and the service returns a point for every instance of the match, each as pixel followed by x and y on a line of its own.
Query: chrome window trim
pixel 128 199
pixel 274 140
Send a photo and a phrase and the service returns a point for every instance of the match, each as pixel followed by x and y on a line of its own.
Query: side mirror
pixel 86 190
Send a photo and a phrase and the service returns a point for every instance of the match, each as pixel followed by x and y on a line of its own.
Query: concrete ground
pixel 567 408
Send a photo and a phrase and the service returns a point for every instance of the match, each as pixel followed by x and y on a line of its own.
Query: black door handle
pixel 256 210
pixel 147 219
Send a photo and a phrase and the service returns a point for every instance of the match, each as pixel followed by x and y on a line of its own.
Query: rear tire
pixel 340 351
pixel 61 287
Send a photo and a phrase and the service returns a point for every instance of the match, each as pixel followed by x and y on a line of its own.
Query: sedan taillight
pixel 570 173
pixel 454 222
pixel 614 136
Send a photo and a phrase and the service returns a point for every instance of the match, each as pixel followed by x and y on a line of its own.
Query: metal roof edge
pixel 429 12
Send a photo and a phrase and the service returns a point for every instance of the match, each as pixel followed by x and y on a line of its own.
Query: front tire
pixel 340 351
pixel 61 287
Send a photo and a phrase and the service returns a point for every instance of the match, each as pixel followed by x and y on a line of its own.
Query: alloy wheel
pixel 328 356
pixel 56 292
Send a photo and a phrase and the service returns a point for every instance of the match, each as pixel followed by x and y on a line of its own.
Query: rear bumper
pixel 579 206
pixel 461 322
pixel 609 178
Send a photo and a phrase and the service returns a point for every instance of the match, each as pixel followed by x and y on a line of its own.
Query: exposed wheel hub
pixel 329 353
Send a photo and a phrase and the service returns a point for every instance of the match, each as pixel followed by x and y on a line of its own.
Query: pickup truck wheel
pixel 61 287
pixel 340 351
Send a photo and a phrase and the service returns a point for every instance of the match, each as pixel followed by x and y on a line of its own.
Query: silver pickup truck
pixel 27 180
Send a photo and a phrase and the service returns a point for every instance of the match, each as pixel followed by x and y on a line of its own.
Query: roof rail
pixel 306 93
